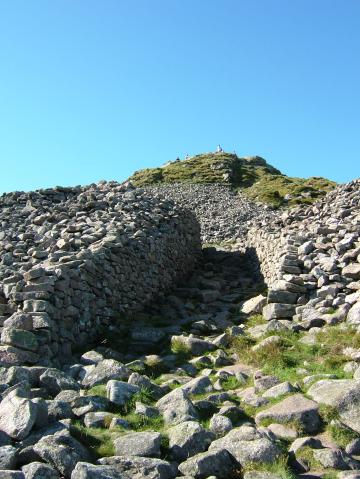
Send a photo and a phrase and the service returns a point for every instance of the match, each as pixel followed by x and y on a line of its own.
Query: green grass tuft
pixel 279 467
pixel 342 435
pixel 99 390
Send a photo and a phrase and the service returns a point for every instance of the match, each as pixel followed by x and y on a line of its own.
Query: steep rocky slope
pixel 250 367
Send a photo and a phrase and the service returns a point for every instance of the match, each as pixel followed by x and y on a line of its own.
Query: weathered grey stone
pixel 219 462
pixel 279 390
pixel 253 305
pixel 120 392
pixel 247 445
pixel 17 412
pixel 349 407
pixel 187 439
pixel 11 356
pixel 145 444
pixel 349 474
pixel 285 297
pixel 278 310
pixel 144 410
pixel 92 357
pixel 62 452
pixel 263 382
pixel 57 410
pixel 330 391
pixel 176 407
pixel 220 425
pixel 140 467
pixel 8 457
pixel 293 408
pixel 8 474
pixel 39 470
pixel 96 419
pixel 85 404
pixel 352 270
pixel 283 432
pixel 84 470
pixel 104 371
pixel 353 447
pixel 144 382
pixel 336 459
pixel 198 385
pixel 56 381
pixel 353 316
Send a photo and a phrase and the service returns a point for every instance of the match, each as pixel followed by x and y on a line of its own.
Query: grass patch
pixel 283 359
pixel 138 422
pixel 99 390
pixel 306 455
pixel 231 383
pixel 294 424
pixel 181 349
pixel 255 320
pixel 98 441
pixel 279 467
pixel 144 396
pixel 328 413
pixel 342 435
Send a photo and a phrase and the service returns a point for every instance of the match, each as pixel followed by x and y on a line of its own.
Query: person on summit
pixel 219 149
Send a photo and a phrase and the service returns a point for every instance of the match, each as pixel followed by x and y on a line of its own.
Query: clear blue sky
pixel 95 89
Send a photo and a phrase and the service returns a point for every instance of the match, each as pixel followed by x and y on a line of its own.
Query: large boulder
pixel 330 391
pixel 253 305
pixel 294 408
pixel 217 463
pixel 62 452
pixel 349 407
pixel 247 444
pixel 55 381
pixel 17 412
pixel 139 467
pixel 353 316
pixel 176 407
pixel 198 385
pixel 105 371
pixel 120 392
pixel 39 470
pixel 187 439
pixel 352 271
pixel 144 444
pixel 278 311
pixel 8 457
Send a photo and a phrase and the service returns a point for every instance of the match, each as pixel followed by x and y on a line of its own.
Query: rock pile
pixel 223 214
pixel 73 260
pixel 310 259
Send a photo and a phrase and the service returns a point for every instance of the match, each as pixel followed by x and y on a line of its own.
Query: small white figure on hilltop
pixel 219 149
pixel 187 156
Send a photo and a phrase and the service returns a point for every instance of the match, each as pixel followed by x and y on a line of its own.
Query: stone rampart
pixel 77 260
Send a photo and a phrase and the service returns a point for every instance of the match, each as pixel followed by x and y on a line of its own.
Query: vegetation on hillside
pixel 253 176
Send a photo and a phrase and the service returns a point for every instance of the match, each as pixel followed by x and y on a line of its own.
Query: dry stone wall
pixel 76 260
pixel 309 258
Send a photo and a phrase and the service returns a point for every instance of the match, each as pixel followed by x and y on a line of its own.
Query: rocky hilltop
pixel 127 351
pixel 253 176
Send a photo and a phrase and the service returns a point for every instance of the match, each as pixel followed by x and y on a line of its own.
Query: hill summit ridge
pixel 253 176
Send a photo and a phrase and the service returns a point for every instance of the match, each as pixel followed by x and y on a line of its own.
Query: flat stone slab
pixel 294 408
